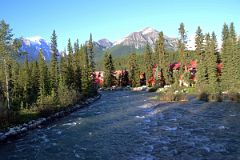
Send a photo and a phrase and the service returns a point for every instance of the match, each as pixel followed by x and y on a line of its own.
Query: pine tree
pixel 70 70
pixel 44 86
pixel 26 83
pixel 63 67
pixel 5 43
pixel 54 66
pixel 92 66
pixel 34 81
pixel 148 62
pixel 85 71
pixel 76 47
pixel 200 54
pixel 182 44
pixel 238 59
pixel 211 65
pixel 134 70
pixel 162 59
pixel 109 78
pixel 91 55
pixel 226 57
pixel 234 53
pixel 17 90
pixel 77 67
pixel 199 43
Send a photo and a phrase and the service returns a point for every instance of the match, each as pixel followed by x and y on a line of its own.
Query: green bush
pixel 234 96
pixel 67 96
pixel 153 89
pixel 171 96
pixel 203 96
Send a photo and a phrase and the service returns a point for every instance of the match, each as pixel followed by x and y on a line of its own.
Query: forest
pixel 32 89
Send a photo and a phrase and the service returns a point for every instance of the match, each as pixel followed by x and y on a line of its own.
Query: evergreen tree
pixel 148 62
pixel 92 65
pixel 182 44
pixel 17 90
pixel 227 76
pixel 235 54
pixel 162 59
pixel 238 59
pixel 91 55
pixel 44 86
pixel 182 47
pixel 212 64
pixel 109 78
pixel 70 70
pixel 5 56
pixel 85 71
pixel 76 47
pixel 26 81
pixel 54 65
pixel 199 43
pixel 134 70
pixel 63 67
pixel 34 81
pixel 200 54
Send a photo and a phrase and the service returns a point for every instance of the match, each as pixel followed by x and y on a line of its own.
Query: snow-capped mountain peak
pixel 147 35
pixel 105 43
pixel 32 46
pixel 148 30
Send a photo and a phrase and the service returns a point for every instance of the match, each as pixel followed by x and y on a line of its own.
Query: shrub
pixel 203 96
pixel 67 96
pixel 153 89
pixel 234 96
pixel 215 97
pixel 171 96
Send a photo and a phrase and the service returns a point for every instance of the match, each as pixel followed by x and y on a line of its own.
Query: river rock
pixel 24 129
pixel 3 137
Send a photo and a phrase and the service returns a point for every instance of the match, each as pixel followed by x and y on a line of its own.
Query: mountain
pixel 135 41
pixel 148 35
pixel 105 43
pixel 32 46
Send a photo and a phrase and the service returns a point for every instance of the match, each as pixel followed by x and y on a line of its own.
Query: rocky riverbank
pixel 16 131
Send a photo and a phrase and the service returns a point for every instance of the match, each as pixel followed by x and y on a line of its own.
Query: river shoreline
pixel 17 131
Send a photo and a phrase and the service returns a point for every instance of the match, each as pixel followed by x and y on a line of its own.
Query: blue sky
pixel 113 19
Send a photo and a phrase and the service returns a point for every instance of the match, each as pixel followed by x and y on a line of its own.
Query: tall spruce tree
pixel 85 70
pixel 109 78
pixel 162 58
pixel 200 55
pixel 92 66
pixel 54 66
pixel 212 64
pixel 226 57
pixel 70 64
pixel 35 81
pixel 134 70
pixel 5 56
pixel 148 62
pixel 235 54
pixel 44 87
pixel 181 47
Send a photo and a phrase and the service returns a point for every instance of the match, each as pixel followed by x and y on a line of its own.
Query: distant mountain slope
pixel 147 35
pixel 32 46
pixel 135 41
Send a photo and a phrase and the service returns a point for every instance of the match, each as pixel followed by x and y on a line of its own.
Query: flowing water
pixel 130 125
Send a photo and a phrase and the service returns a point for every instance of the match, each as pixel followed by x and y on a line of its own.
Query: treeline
pixel 39 85
pixel 217 71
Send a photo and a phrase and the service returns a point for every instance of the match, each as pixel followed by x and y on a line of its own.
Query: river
pixel 131 125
